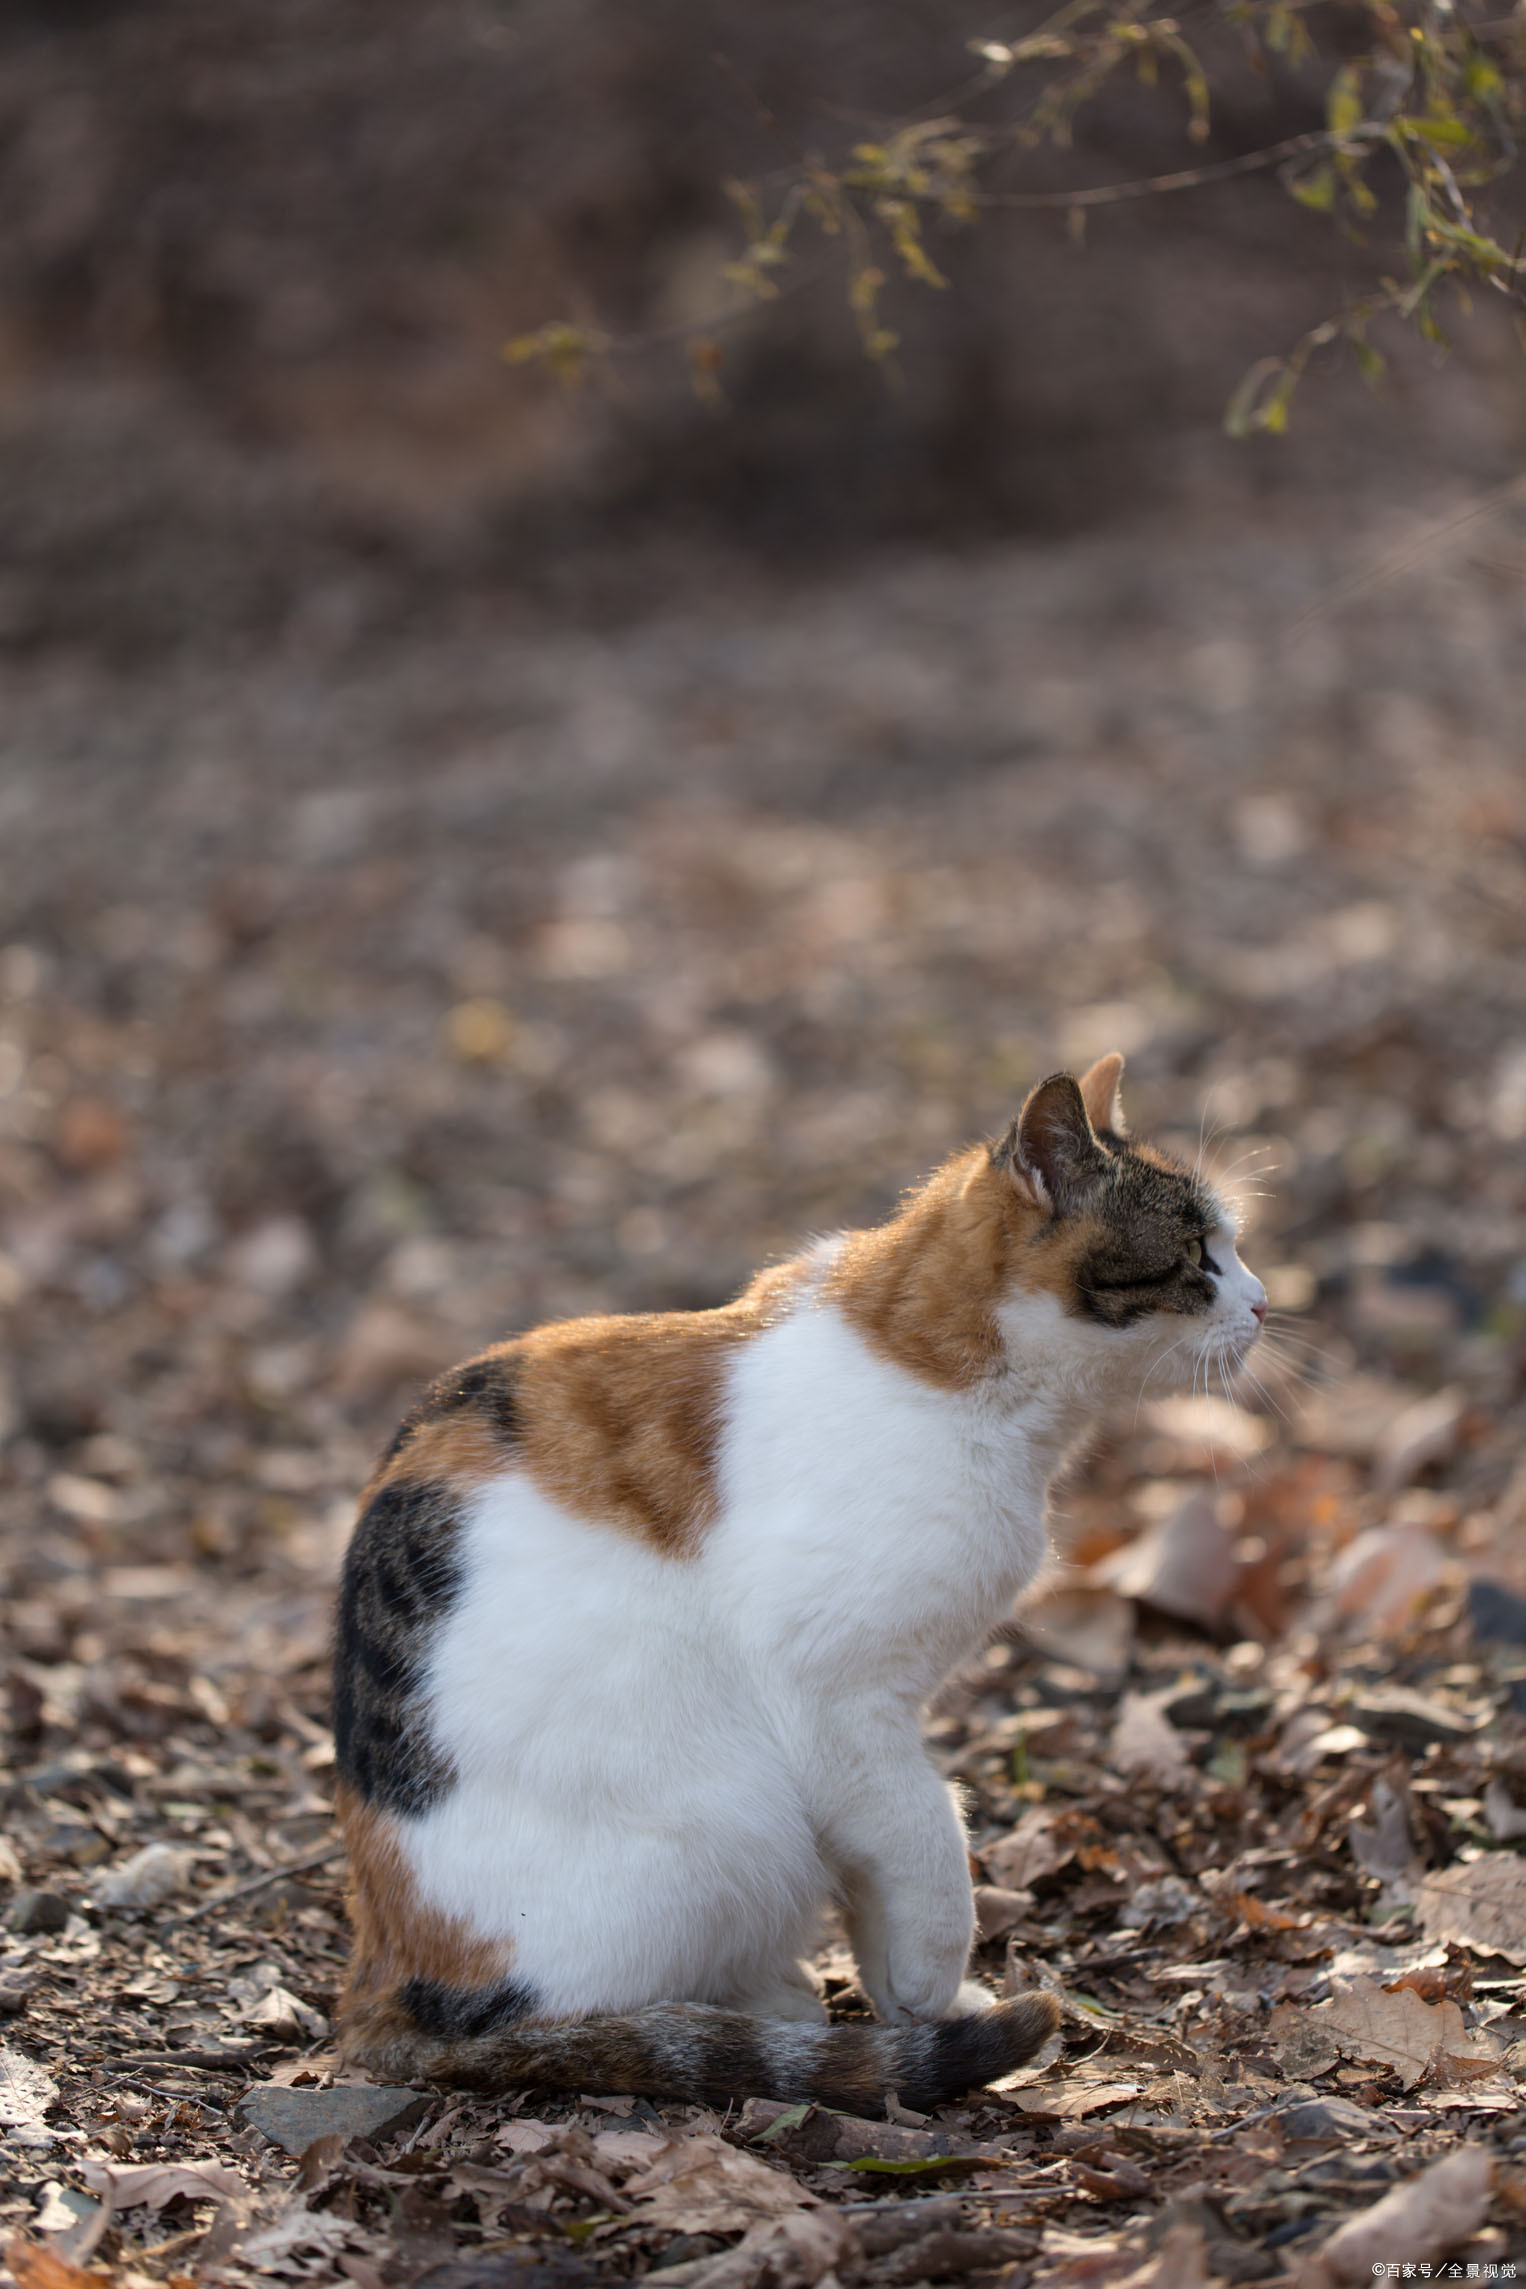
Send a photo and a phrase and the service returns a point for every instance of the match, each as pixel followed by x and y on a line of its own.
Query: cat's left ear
pixel 1099 1093
pixel 1050 1148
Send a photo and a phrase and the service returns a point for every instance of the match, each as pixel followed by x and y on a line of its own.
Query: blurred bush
pixel 261 262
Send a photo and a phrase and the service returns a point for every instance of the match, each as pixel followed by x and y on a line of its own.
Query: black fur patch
pixel 401 1574
pixel 486 1384
pixel 944 2061
pixel 1147 1211
pixel 462 2014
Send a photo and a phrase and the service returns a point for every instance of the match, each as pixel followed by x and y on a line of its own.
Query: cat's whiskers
pixel 1205 1139
pixel 1282 1327
pixel 1261 1389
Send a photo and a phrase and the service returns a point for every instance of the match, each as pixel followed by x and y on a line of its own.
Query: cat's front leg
pixel 892 1833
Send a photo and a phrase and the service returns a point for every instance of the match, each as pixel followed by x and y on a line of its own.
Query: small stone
pixel 525 2269
pixel 1335 2120
pixel 1395 1713
pixel 16 1990
pixel 294 2118
pixel 1498 1614
pixel 147 1880
pixel 36 1911
pixel 77 1843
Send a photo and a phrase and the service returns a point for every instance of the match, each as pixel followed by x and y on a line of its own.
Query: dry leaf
pixel 1383 1847
pixel 526 2136
pixel 1385 1574
pixel 1397 2029
pixel 1425 1432
pixel 26 2091
pixel 322 2232
pixel 1093 1628
pixel 1145 1744
pixel 1041 1842
pixel 1478 1903
pixel 1181 2262
pixel 1507 1819
pixel 150 2185
pixel 699 2184
pixel 803 2248
pixel 1185 1565
pixel 1419 2222
pixel 37 2267
pixel 629 2149
pixel 1069 2101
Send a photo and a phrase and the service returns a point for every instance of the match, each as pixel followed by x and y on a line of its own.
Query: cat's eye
pixel 1194 1251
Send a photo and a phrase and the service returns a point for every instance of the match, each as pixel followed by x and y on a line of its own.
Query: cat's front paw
pixel 970 1998
pixel 931 1993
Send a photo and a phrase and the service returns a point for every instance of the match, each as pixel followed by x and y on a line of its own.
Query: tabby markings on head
pixel 1131 1260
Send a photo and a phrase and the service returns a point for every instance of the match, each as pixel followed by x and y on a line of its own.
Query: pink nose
pixel 1260 1311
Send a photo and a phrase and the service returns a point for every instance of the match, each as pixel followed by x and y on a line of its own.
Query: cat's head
pixel 1138 1251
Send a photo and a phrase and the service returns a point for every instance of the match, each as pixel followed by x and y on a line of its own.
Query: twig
pixel 1403 558
pixel 257 1884
pixel 207 2062
pixel 170 2097
pixel 1184 179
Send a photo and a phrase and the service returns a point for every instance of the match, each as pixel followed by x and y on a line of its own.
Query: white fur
pixel 667 1766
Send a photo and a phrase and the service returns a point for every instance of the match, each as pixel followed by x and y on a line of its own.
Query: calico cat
pixel 640 1612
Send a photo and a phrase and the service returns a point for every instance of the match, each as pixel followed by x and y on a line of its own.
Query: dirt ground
pixel 358 1005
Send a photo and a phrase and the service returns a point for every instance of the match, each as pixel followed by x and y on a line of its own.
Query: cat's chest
pixel 851 1489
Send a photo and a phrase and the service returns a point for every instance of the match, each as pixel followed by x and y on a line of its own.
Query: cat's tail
pixel 695 2051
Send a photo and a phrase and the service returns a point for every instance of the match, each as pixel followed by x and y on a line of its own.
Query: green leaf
pixel 790 2119
pixel 1449 133
pixel 1091 2003
pixel 900 218
pixel 1417 214
pixel 1316 189
pixel 564 348
pixel 1227 1763
pixel 1245 411
pixel 1343 105
pixel 923 2167
pixel 1484 80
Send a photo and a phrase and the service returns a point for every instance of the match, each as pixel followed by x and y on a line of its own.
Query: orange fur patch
pixel 452 1450
pixel 621 1417
pixel 922 1289
pixel 396 1937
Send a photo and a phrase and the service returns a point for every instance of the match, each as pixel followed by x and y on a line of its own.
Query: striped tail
pixel 695 2051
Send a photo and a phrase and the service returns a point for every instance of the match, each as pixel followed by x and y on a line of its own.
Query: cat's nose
pixel 1260 1311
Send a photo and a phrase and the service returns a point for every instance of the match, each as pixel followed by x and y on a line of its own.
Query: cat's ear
pixel 1099 1093
pixel 1050 1147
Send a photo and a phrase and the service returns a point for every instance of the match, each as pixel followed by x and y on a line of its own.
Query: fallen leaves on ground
pixel 351 1015
pixel 1418 2223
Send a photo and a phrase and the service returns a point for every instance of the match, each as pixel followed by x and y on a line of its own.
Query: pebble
pixel 1498 1614
pixel 294 2118
pixel 37 1911
pixel 149 1878
pixel 1338 2119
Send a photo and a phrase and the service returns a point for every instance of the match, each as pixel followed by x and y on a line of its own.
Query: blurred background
pixel 472 851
